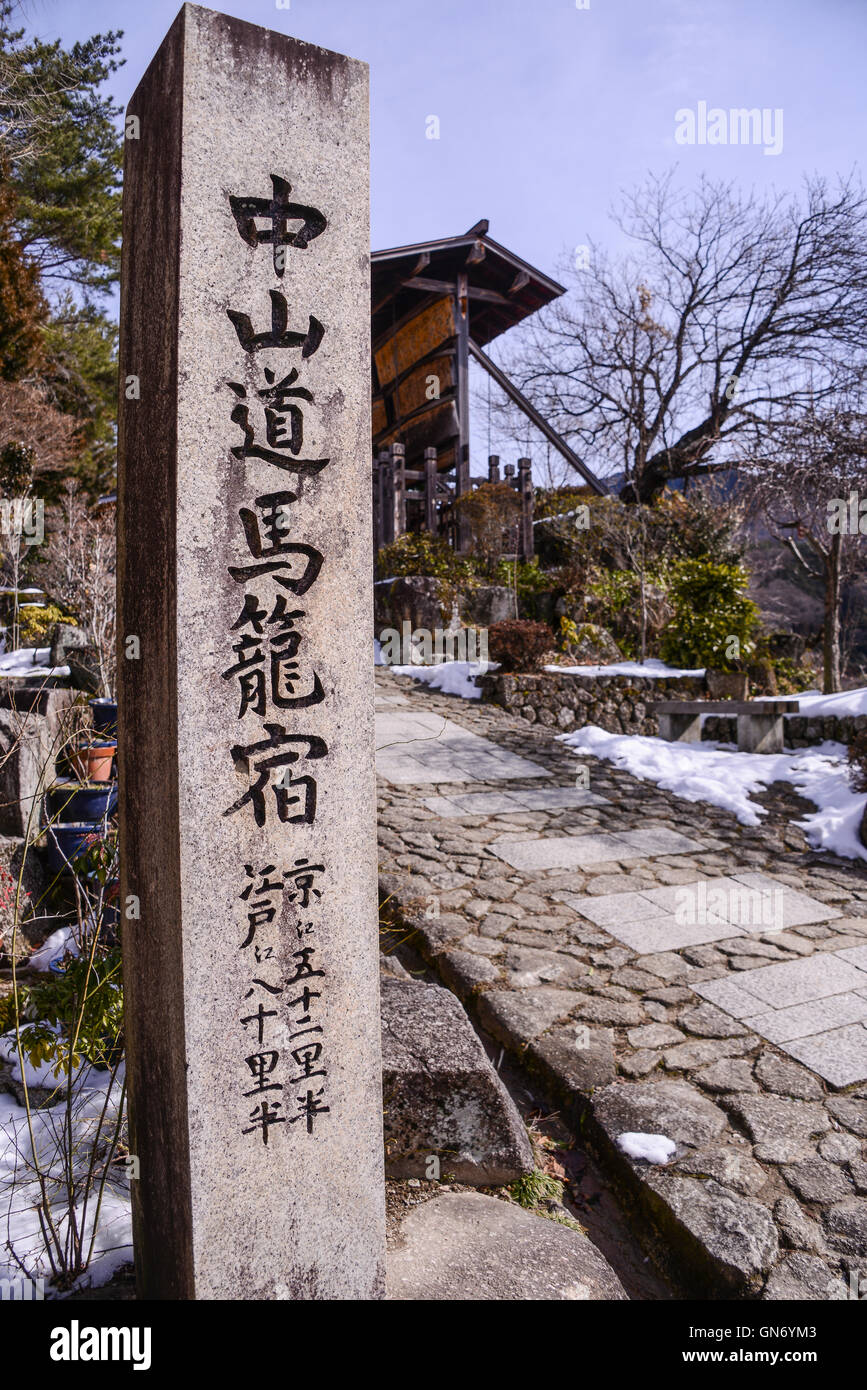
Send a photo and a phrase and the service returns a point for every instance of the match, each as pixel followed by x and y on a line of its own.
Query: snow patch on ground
pixel 719 775
pixel 30 661
pixel 816 705
pixel 651 670
pixel 653 1148
pixel 19 1187
pixel 449 677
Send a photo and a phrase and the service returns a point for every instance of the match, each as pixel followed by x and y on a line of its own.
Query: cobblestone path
pixel 661 967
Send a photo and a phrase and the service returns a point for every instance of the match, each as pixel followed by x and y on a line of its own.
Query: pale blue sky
pixel 548 111
pixel 545 110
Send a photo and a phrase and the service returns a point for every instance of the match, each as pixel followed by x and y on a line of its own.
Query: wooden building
pixel 435 306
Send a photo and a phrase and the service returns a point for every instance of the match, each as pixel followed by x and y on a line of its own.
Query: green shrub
pixel 519 645
pixel 71 1015
pixel 36 623
pixel 528 579
pixel 710 609
pixel 418 552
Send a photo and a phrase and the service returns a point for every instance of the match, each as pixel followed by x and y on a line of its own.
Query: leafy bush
pixel 710 609
pixel 71 1015
pixel 492 512
pixel 793 676
pixel 418 552
pixel 36 623
pixel 858 762
pixel 525 576
pixel 519 645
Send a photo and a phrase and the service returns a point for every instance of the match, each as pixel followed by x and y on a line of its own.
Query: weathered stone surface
pixel 799 1276
pixel 520 1017
pixel 737 1232
pixel 29 743
pixel 846 1224
pixel 225 108
pixel 710 1022
pixel 465 971
pixel 840 1147
pixel 687 1055
pixel 816 1180
pixel 582 1068
pixel 850 1112
pixel 730 1166
pixel 797 1228
pixel 639 1063
pixel 468 1246
pixel 440 1093
pixel 787 1078
pixel 64 638
pixel 730 1074
pixel 780 1129
pixel 654 1035
pixel 421 600
pixel 614 1012
pixel 526 967
pixel 671 1108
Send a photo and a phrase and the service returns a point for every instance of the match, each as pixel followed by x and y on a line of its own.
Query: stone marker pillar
pixel 245 671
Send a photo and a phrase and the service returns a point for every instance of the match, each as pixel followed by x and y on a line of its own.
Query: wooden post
pixel 398 454
pixel 430 490
pixel 526 547
pixel 462 367
pixel 386 468
pixel 493 468
pixel 380 503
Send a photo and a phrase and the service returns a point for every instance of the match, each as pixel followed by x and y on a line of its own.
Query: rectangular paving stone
pixel 611 908
pixel 855 955
pixel 730 995
pixel 789 907
pixel 666 933
pixel 566 852
pixel 799 981
pixel 443 806
pixel 559 798
pixel 802 1020
pixel 487 803
pixel 423 747
pixel 839 1056
pixel 659 841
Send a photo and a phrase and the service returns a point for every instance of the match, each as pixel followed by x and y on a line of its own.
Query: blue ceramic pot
pixel 104 716
pixel 81 802
pixel 66 844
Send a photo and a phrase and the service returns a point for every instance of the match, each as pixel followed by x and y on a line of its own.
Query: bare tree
pixel 809 484
pixel 81 573
pixel 728 310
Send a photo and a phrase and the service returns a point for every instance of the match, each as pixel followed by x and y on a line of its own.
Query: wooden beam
pixel 538 420
pixel 476 254
pixel 462 366
pixel 421 282
pixel 521 279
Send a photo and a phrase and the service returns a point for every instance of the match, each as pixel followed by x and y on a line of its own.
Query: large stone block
pixel 468 1246
pixel 34 727
pixel 247 804
pixel 441 1096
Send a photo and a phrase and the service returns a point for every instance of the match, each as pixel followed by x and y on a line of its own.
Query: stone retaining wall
pixel 622 705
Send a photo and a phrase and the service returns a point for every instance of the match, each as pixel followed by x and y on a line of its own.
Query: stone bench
pixel 760 722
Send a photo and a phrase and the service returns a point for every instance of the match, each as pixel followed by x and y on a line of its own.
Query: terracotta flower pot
pixel 93 762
